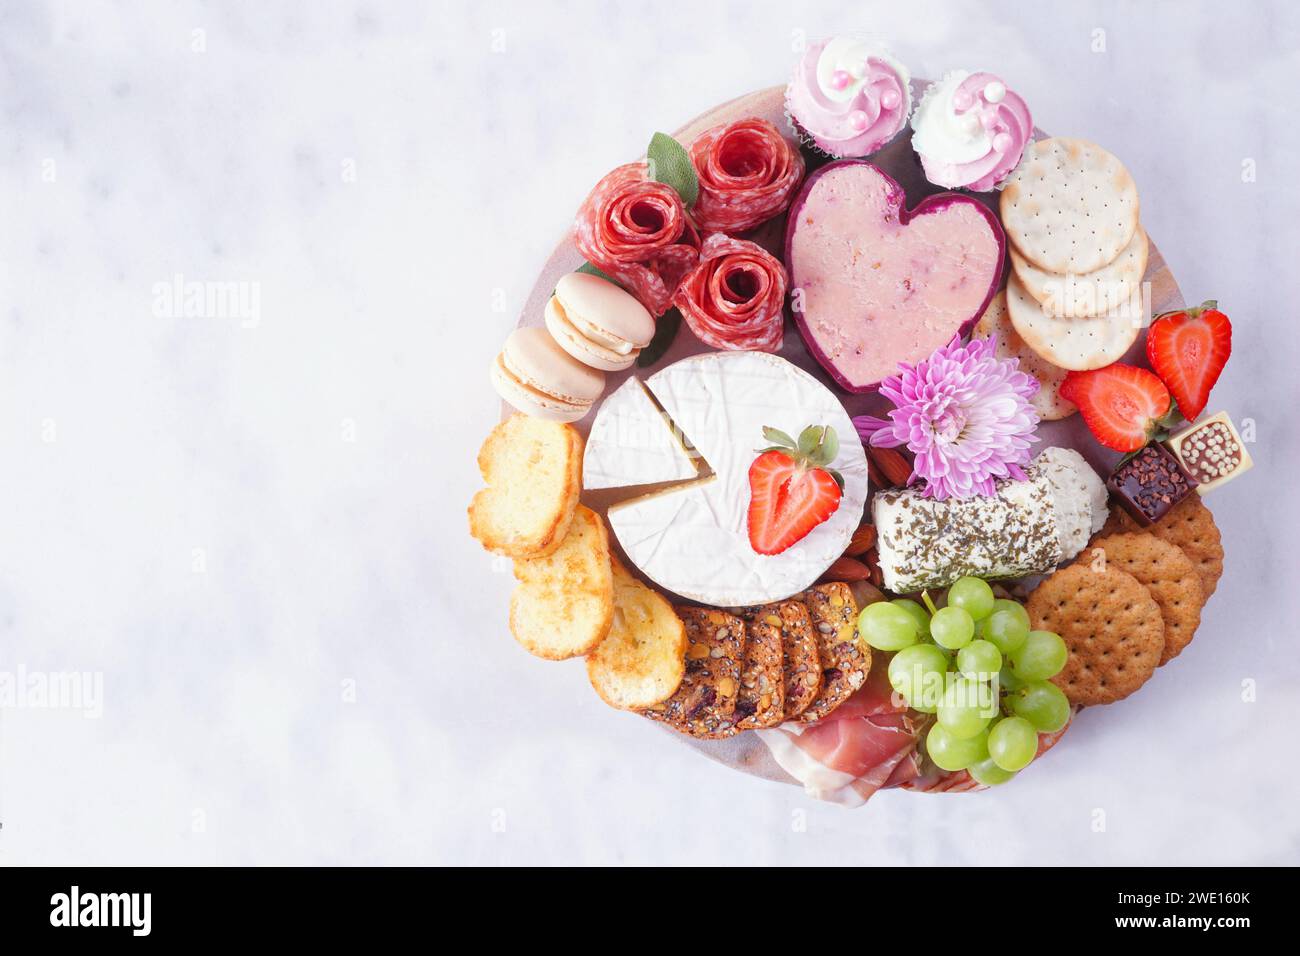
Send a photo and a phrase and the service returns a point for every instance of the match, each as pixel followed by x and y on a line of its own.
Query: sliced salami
pixel 748 173
pixel 735 296
pixel 638 232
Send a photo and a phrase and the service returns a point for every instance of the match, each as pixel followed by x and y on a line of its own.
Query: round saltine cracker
pixel 1168 574
pixel 1191 527
pixel 1092 292
pixel 1047 401
pixel 1070 206
pixel 1076 344
pixel 1111 625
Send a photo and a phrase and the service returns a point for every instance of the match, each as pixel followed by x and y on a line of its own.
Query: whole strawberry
pixel 791 489
pixel 1188 350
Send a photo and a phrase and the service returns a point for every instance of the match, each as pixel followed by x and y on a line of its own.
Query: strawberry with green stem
pixel 792 489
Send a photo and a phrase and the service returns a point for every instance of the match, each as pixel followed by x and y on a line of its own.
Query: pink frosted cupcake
pixel 848 98
pixel 970 131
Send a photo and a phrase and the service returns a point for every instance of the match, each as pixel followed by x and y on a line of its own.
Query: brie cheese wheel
pixel 631 443
pixel 693 539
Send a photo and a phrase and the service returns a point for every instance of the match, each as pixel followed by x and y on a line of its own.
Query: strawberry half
pixel 1124 406
pixel 791 491
pixel 1188 350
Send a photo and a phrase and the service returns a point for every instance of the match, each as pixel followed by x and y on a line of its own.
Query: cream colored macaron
pixel 539 378
pixel 597 322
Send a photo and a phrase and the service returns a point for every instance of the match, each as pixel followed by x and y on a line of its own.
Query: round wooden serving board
pixel 745 752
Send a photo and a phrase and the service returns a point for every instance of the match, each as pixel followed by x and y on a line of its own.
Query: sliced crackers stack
pixel 705 672
pixel 1078 256
pixel 793 660
pixel 1131 602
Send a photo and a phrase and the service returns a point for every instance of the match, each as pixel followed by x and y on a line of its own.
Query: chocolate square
pixel 1150 483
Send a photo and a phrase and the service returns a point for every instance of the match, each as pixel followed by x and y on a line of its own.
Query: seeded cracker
pixel 845 660
pixel 705 703
pixel 762 680
pixel 1070 206
pixel 800 657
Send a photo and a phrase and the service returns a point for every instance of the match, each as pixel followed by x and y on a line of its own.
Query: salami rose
pixel 748 173
pixel 734 298
pixel 637 231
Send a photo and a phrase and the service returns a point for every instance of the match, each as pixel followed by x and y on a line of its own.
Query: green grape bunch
pixel 979 669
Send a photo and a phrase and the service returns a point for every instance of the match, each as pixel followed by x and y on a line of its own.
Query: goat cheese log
pixel 1028 527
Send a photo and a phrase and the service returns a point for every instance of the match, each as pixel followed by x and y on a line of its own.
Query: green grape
pixel 989 773
pixel 919 613
pixel 955 753
pixel 919 673
pixel 1041 656
pixel 887 627
pixel 1042 704
pixel 1013 743
pixel 1008 681
pixel 979 660
pixel 967 707
pixel 952 627
pixel 1012 607
pixel 972 595
pixel 1005 630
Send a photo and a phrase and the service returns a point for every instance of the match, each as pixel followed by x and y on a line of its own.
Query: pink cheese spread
pixel 875 284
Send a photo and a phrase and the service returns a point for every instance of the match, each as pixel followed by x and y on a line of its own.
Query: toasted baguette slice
pixel 801 664
pixel 705 704
pixel 564 603
pixel 533 470
pixel 762 679
pixel 845 661
pixel 641 661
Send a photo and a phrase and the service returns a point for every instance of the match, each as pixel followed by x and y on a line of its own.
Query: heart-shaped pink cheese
pixel 873 283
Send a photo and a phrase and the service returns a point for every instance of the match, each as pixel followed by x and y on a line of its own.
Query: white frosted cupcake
pixel 970 131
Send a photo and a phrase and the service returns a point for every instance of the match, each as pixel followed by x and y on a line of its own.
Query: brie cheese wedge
pixel 693 539
pixel 631 443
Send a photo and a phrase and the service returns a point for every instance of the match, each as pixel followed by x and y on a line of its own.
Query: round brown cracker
pixel 1189 525
pixel 1047 401
pixel 1111 624
pixel 1168 574
pixel 1070 206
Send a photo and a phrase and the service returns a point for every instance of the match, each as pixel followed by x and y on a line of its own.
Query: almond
pixel 846 569
pixel 862 541
pixel 894 468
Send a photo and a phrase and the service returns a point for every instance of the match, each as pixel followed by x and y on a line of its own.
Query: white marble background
pixel 254 530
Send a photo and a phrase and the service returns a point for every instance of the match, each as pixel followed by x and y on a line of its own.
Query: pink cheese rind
pixel 896 199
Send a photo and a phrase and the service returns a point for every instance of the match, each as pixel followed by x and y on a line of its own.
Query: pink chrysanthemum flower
pixel 964 413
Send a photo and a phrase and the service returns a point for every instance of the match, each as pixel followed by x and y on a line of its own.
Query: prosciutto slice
pixel 638 232
pixel 869 743
pixel 866 743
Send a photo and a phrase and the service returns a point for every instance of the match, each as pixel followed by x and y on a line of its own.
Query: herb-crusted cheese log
pixel 924 543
